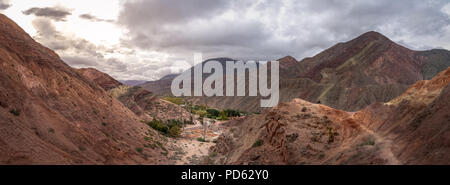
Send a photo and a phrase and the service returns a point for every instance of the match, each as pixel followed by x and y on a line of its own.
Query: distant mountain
pixel 161 87
pixel 132 82
pixel 51 114
pixel 410 129
pixel 348 76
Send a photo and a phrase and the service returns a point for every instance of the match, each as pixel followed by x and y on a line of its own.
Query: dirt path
pixel 191 151
pixel 187 149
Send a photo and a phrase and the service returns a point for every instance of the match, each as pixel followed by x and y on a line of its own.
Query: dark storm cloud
pixel 179 25
pixel 272 29
pixel 392 17
pixel 240 29
pixel 55 13
pixel 152 12
pixel 4 5
pixel 94 18
pixel 227 33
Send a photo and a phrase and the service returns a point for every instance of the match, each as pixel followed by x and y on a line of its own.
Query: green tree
pixel 212 113
pixel 223 116
pixel 175 131
pixel 232 113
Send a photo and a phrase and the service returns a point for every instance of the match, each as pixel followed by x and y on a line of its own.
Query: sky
pixel 147 39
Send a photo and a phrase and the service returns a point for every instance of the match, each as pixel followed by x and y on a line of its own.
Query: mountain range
pixel 348 76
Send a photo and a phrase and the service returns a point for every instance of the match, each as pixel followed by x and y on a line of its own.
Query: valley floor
pixel 187 149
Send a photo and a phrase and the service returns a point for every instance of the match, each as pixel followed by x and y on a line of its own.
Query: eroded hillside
pixel 50 114
pixel 142 102
pixel 411 129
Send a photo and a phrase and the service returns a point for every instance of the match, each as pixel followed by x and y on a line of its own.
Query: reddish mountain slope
pixel 50 114
pixel 417 121
pixel 384 62
pixel 370 68
pixel 411 129
pixel 104 80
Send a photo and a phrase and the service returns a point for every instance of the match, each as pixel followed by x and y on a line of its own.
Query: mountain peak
pixel 287 59
pixel 373 35
pixel 287 62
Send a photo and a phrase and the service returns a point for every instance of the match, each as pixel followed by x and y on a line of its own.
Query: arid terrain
pixel 410 129
pixel 142 102
pixel 51 114
pixel 365 101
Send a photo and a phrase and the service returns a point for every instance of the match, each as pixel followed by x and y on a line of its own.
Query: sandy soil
pixel 187 149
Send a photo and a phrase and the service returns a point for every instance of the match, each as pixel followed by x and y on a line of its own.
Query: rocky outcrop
pixel 276 134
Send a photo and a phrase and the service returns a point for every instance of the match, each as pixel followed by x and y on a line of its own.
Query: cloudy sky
pixel 146 39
